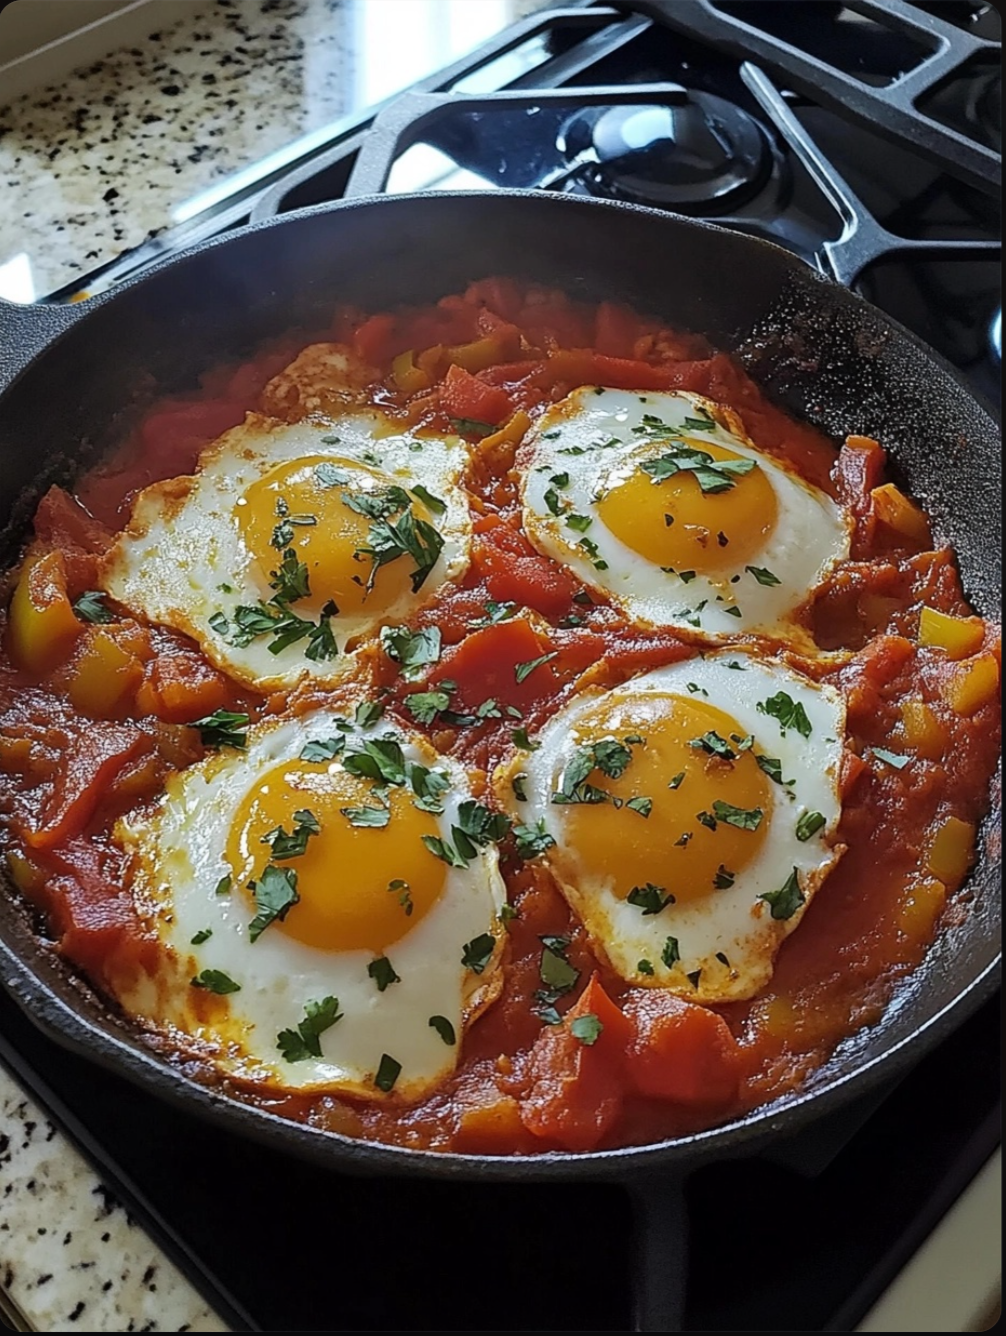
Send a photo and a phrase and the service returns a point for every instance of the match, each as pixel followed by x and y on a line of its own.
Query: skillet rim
pixel 145 1068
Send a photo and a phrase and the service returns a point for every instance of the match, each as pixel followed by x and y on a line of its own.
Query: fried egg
pixel 692 812
pixel 663 503
pixel 291 543
pixel 323 923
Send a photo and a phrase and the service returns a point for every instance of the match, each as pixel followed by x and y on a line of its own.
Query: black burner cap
pixel 697 153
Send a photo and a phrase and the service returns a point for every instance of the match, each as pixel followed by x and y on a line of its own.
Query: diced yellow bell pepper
pixel 106 676
pixel 407 376
pixel 893 508
pixel 509 434
pixel 26 876
pixel 951 850
pixel 921 908
pixel 924 734
pixel 959 636
pixel 479 354
pixel 972 685
pixel 43 625
pixel 432 361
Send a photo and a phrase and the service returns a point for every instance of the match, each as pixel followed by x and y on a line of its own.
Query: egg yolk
pixel 327 534
pixel 360 887
pixel 671 847
pixel 674 523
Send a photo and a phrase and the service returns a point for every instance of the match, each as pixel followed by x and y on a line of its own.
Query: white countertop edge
pixel 953 1281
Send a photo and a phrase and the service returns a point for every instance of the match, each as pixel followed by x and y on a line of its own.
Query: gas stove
pixel 865 138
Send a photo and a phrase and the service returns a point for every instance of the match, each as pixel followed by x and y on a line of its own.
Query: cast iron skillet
pixel 77 375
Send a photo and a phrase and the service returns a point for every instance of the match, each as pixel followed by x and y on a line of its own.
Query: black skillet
pixel 77 376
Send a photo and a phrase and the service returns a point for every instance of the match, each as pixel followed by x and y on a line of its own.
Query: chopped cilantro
pixel 326 474
pixel 578 523
pixel 559 479
pixel 809 824
pixel 290 580
pixel 721 956
pixel 472 426
pixel 495 613
pixel 90 607
pixel 388 539
pixel 712 475
pixel 554 501
pixel 649 898
pixel 788 712
pixel 763 576
pixel 431 502
pixel 644 967
pixel 644 806
pixel 738 816
pixel 388 1072
pixel 305 1041
pixel 444 1029
pixel 706 819
pixel 400 889
pixel 284 845
pixel 519 791
pixel 772 767
pixel 489 710
pixel 367 713
pixel 533 840
pixel 890 758
pixel 203 935
pixel 524 670
pixel 717 746
pixel 723 878
pixel 275 895
pixel 587 1028
pixel 676 781
pixel 383 973
pixel 787 899
pixel 377 817
pixel 215 981
pixel 476 954
pixel 424 706
pixel 223 728
pixel 412 649
pixel 733 611
pixel 225 885
pixel 670 955
pixel 693 977
pixel 522 740
pixel 555 971
pixel 322 749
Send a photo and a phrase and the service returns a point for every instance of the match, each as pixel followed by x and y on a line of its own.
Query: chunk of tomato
pixel 679 1051
pixel 577 1082
pixel 463 395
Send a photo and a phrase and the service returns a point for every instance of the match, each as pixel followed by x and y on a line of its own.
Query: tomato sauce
pixel 96 717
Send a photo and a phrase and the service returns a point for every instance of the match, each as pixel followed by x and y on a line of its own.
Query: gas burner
pixel 696 154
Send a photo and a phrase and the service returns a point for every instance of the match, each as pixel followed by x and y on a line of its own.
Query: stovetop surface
pixel 807 1238
pixel 804 1240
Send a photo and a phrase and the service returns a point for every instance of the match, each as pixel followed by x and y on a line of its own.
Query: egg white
pixel 183 561
pixel 592 436
pixel 178 858
pixel 731 922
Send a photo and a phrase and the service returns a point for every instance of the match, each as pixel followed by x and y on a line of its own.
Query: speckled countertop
pixel 70 1256
pixel 91 167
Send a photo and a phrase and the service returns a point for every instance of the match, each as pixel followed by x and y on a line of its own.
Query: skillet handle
pixel 26 330
pixel 660 1252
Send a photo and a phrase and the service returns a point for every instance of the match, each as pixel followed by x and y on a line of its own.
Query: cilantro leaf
pixel 90 607
pixel 305 1041
pixel 290 580
pixel 380 759
pixel 412 649
pixel 524 670
pixel 787 899
pixel 367 713
pixel 763 576
pixel 444 850
pixel 431 502
pixel 587 1028
pixel 893 759
pixel 322 749
pixel 611 757
pixel 424 706
pixel 715 745
pixel 203 935
pixel 533 840
pixel 284 845
pixel 378 817
pixel 644 967
pixel 225 885
pixel 327 475
pixel 400 889
pixel 712 475
pixel 649 898
pixel 444 1029
pixel 383 973
pixel 644 806
pixel 809 824
pixel 388 1072
pixel 556 972
pixel 215 981
pixel 724 878
pixel 223 728
pixel 275 895
pixel 670 955
pixel 772 767
pixel 788 712
pixel 387 540
pixel 521 739
pixel 472 426
pixel 675 783
pixel 476 954
pixel 740 817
